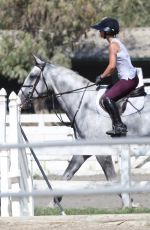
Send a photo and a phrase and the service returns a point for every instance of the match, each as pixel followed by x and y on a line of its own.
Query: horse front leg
pixel 73 166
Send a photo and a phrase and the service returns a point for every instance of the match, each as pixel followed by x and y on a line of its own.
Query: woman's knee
pixel 104 100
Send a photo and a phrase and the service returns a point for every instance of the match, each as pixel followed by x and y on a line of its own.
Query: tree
pixel 51 28
pixel 47 29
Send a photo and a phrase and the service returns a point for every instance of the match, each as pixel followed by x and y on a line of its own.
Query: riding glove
pixel 98 80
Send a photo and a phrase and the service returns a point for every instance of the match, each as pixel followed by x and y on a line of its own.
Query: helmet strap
pixel 105 34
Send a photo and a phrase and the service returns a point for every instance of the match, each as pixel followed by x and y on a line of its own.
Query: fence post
pixel 26 182
pixel 20 176
pixel 4 157
pixel 125 175
pixel 14 154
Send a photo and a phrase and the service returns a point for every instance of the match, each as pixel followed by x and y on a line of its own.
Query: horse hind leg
pixel 110 174
pixel 108 167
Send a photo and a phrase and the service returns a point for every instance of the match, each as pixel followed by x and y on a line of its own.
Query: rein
pixel 30 96
pixel 52 94
pixel 59 94
pixel 75 90
pixel 60 117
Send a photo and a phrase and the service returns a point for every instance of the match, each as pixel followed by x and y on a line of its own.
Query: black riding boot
pixel 118 127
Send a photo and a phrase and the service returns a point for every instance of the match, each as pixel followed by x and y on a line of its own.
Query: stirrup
pixel 118 130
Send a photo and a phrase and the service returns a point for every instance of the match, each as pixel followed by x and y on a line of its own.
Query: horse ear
pixel 39 62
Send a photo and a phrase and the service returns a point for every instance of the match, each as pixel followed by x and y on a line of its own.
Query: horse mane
pixel 41 62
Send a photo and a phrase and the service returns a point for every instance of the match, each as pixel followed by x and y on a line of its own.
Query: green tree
pixel 16 51
pixel 51 28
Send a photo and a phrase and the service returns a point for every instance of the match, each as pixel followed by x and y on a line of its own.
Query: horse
pixel 77 97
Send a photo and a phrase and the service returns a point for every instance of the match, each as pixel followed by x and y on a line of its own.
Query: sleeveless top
pixel 124 66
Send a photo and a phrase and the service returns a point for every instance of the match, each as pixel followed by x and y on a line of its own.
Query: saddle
pixel 131 99
pixel 132 103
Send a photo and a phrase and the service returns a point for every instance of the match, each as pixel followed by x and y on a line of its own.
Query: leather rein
pixel 52 94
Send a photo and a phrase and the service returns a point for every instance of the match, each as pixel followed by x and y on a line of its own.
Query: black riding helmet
pixel 108 25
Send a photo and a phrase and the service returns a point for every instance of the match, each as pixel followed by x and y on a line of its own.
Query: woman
pixel 118 59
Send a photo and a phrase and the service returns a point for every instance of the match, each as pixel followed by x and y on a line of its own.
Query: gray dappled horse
pixel 80 107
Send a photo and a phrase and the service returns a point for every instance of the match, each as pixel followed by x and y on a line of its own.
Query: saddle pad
pixel 137 102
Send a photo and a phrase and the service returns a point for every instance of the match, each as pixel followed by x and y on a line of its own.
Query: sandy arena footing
pixel 84 222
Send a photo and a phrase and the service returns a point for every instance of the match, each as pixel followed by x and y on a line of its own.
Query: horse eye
pixel 32 75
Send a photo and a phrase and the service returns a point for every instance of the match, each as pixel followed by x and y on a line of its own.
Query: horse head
pixel 34 85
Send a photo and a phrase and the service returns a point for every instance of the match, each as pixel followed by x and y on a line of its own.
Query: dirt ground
pixel 94 222
pixel 84 222
pixel 103 201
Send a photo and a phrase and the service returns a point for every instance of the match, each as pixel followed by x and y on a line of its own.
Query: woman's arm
pixel 113 50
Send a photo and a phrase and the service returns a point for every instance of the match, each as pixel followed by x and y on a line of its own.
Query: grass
pixel 88 211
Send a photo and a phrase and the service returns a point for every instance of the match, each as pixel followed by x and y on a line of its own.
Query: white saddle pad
pixel 135 104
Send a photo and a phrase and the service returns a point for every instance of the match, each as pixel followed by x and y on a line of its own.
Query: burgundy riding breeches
pixel 121 88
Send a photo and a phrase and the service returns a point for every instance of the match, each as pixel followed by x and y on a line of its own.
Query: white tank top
pixel 124 66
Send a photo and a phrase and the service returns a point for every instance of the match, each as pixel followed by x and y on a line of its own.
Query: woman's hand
pixel 98 80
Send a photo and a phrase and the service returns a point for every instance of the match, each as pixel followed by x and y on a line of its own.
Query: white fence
pixel 15 173
pixel 47 127
pixel 125 185
pixel 16 179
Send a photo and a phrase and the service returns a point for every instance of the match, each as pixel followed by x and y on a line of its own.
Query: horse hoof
pixel 52 204
pixel 135 205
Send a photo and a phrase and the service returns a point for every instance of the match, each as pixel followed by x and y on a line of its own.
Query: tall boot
pixel 118 127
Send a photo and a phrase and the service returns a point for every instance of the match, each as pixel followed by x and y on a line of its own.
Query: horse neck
pixel 66 80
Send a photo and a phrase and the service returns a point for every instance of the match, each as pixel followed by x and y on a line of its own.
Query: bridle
pixel 49 93
pixel 29 97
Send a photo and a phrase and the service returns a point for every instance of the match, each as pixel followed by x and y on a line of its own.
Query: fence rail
pixel 124 186
pixel 16 179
